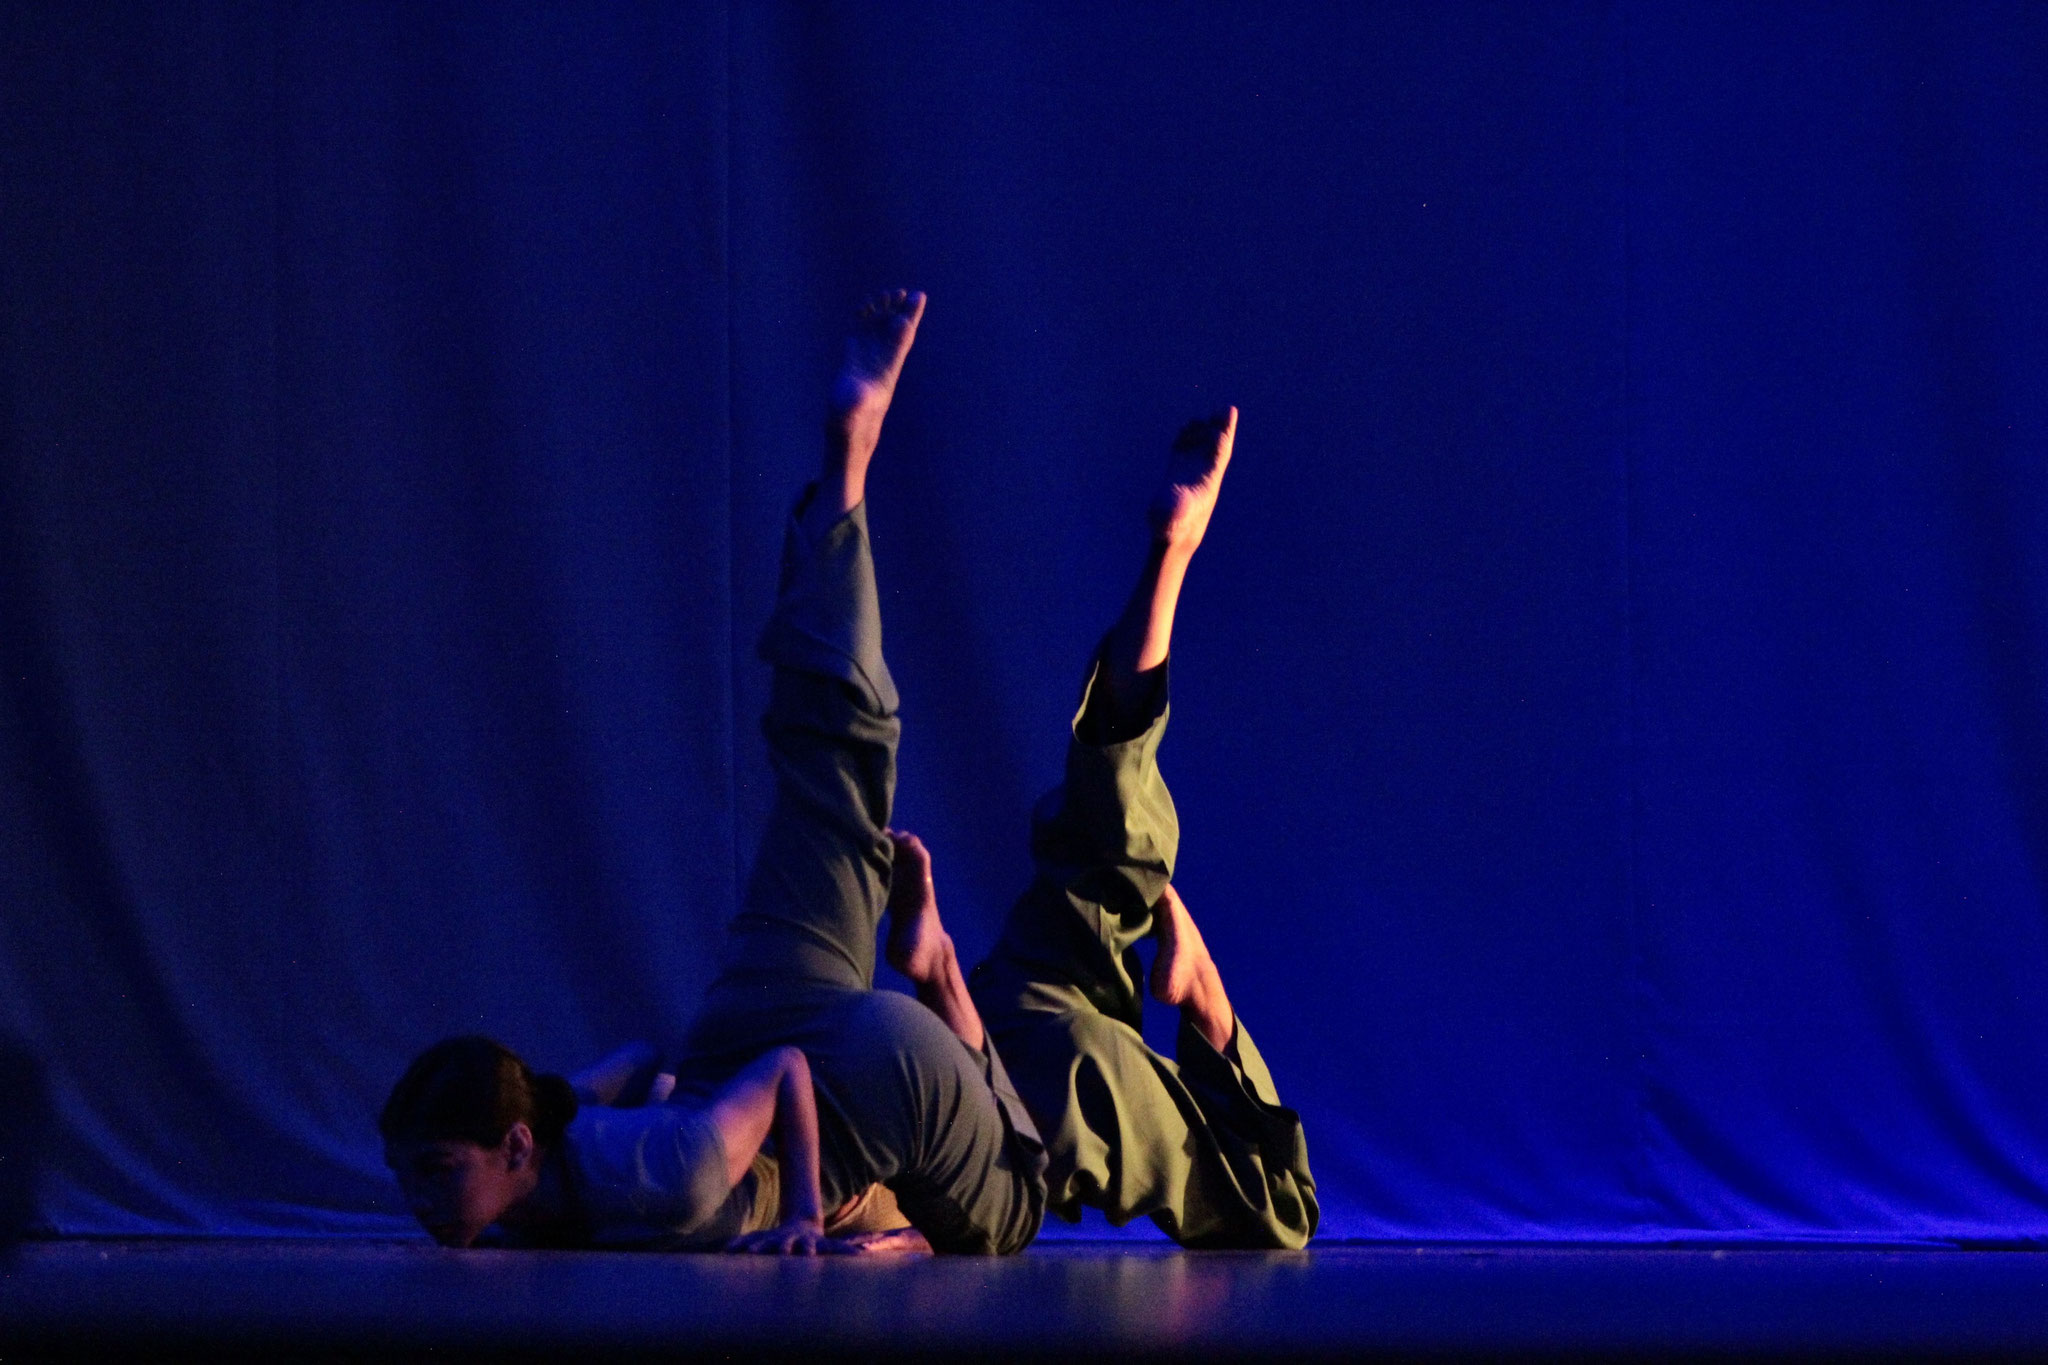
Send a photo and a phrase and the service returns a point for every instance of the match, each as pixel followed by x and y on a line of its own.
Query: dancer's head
pixel 465 1130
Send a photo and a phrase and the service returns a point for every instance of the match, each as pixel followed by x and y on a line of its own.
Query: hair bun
pixel 554 1105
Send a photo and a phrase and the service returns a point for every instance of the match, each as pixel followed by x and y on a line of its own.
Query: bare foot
pixel 919 946
pixel 1143 635
pixel 918 943
pixel 881 337
pixel 1194 476
pixel 1185 975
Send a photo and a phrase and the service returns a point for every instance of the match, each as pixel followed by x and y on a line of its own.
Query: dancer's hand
pixel 798 1237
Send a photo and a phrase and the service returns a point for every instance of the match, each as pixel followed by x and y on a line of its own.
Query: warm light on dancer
pixel 476 1139
pixel 1199 1143
pixel 859 1087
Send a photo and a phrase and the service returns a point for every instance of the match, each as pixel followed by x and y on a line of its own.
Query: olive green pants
pixel 901 1100
pixel 1199 1143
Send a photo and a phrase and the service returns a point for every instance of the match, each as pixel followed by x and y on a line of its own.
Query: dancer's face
pixel 457 1189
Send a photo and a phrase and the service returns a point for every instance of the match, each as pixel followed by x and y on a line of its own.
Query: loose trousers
pixel 1200 1143
pixel 901 1100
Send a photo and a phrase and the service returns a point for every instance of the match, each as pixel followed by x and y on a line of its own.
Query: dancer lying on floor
pixel 479 1142
pixel 900 1098
pixel 1200 1144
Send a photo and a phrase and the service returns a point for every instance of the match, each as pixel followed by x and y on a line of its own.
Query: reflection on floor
pixel 1062 1300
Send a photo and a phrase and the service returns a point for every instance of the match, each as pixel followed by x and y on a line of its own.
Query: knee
pixel 886 1028
pixel 889 1016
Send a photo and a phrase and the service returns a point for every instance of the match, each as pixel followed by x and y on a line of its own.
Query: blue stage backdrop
pixel 1612 727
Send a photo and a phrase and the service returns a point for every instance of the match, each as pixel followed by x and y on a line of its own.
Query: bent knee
pixel 886 1033
pixel 888 1019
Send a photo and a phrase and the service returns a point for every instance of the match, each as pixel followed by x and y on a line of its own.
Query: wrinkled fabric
pixel 656 1173
pixel 1199 1142
pixel 901 1100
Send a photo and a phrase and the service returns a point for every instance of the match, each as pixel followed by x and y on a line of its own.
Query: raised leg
pixel 899 1100
pixel 1104 841
pixel 1183 975
pixel 1142 638
pixel 1200 1143
pixel 881 337
pixel 822 873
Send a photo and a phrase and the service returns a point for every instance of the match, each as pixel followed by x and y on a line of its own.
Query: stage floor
pixel 276 1300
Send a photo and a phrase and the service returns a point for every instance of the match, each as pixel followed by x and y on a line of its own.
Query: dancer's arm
pixel 775 1093
pixel 621 1076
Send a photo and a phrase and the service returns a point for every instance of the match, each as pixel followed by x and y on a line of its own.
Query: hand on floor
pixel 800 1238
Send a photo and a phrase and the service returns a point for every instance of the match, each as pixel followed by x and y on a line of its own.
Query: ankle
pixel 850 443
pixel 945 960
pixel 841 485
pixel 1208 1010
pixel 1174 544
pixel 932 965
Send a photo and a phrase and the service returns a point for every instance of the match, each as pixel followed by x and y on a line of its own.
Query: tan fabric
pixel 767 1209
pixel 872 1210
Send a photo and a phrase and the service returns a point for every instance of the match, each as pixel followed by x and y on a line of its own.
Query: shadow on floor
pixel 1068 1301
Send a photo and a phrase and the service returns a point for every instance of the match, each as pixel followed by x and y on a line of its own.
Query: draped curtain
pixel 1609 731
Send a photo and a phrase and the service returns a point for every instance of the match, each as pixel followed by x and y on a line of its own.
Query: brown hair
pixel 473 1090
